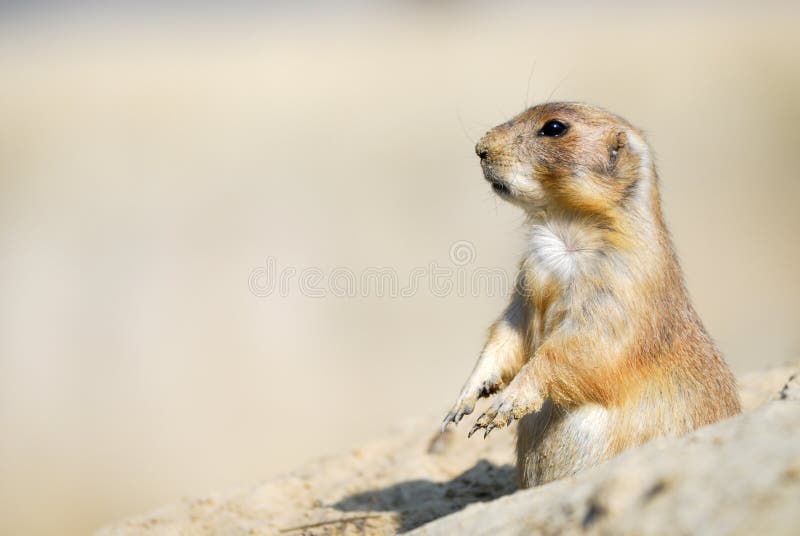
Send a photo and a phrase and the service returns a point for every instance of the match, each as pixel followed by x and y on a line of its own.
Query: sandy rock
pixel 740 476
pixel 735 477
pixel 757 388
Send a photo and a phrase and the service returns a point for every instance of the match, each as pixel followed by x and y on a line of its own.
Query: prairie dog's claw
pixel 446 421
pixel 497 416
pixel 460 414
pixel 462 407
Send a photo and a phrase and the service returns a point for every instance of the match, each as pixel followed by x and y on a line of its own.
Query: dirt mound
pixel 737 476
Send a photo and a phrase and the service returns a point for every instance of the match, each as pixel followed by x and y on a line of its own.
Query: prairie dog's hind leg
pixel 555 442
pixel 502 357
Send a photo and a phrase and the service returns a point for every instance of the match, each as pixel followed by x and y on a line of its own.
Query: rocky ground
pixel 740 476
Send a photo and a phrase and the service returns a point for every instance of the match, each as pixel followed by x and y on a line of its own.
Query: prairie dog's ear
pixel 618 141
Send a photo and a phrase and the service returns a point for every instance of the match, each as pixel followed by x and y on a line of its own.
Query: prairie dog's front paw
pixel 469 396
pixel 511 404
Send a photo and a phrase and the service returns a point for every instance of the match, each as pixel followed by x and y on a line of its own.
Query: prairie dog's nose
pixel 481 149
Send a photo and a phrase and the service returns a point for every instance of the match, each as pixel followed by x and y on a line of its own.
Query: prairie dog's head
pixel 567 156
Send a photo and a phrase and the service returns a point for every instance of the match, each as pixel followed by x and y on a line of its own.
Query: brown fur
pixel 600 348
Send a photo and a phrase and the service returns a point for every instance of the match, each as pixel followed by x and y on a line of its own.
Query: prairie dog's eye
pixel 553 129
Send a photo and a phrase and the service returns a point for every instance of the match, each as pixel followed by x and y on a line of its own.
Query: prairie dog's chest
pixel 561 262
pixel 559 251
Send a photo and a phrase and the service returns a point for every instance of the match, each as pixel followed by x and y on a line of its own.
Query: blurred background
pixel 156 160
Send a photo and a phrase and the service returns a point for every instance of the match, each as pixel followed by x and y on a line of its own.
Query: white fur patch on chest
pixel 561 248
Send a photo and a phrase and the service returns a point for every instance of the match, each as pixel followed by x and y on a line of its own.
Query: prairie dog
pixel 599 348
